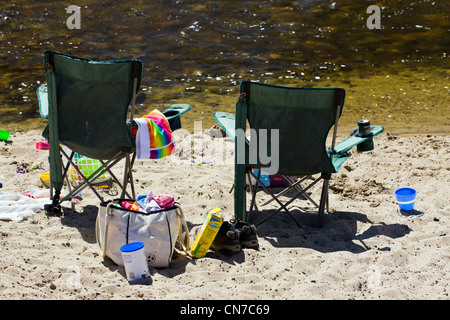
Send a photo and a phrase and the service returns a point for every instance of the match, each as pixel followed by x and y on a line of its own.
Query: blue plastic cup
pixel 406 198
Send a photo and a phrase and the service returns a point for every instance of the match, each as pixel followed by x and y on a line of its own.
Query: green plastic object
pixel 4 135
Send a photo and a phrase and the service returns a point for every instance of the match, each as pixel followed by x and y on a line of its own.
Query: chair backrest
pixel 303 116
pixel 89 101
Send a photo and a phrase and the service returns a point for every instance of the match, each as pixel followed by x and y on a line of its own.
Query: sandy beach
pixel 366 249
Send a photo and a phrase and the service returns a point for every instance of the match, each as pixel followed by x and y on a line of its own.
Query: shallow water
pixel 197 52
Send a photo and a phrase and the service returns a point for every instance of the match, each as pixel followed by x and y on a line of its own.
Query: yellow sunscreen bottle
pixel 207 234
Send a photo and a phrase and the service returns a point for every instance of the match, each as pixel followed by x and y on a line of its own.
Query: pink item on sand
pixel 42 145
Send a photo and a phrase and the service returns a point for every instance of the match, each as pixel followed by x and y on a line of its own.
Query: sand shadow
pixel 338 233
pixel 83 220
pixel 112 266
pixel 410 213
pixel 180 262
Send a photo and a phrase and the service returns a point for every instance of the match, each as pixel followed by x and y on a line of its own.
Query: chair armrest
pixel 42 96
pixel 354 140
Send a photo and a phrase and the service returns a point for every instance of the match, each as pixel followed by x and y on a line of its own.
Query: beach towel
pixel 153 137
pixel 16 207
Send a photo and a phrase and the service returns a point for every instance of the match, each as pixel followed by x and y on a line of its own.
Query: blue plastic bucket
pixel 406 198
pixel 134 261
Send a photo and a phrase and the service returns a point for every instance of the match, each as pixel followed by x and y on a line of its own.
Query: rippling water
pixel 197 52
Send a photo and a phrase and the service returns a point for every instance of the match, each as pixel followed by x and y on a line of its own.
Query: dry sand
pixel 366 249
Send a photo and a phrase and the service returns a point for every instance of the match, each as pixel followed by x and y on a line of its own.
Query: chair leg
pixel 53 208
pixel 323 198
pixel 79 188
pixel 282 206
pixel 253 190
pixel 300 189
pixel 87 182
pixel 127 175
pixel 239 192
pixel 133 192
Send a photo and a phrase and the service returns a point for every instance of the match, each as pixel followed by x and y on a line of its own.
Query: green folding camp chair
pixel 86 103
pixel 302 119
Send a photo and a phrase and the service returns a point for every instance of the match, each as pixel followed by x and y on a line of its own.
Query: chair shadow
pixel 84 221
pixel 338 233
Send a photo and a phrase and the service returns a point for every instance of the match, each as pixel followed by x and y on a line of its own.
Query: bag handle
pixel 109 214
pixel 185 241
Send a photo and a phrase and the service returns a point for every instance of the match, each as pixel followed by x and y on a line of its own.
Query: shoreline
pixel 366 249
pixel 343 130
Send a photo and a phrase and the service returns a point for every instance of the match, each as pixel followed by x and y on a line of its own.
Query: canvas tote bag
pixel 158 230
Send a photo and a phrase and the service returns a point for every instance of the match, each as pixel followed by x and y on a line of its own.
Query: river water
pixel 198 52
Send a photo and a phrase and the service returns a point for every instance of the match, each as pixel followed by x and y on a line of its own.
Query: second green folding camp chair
pixel 289 127
pixel 86 103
